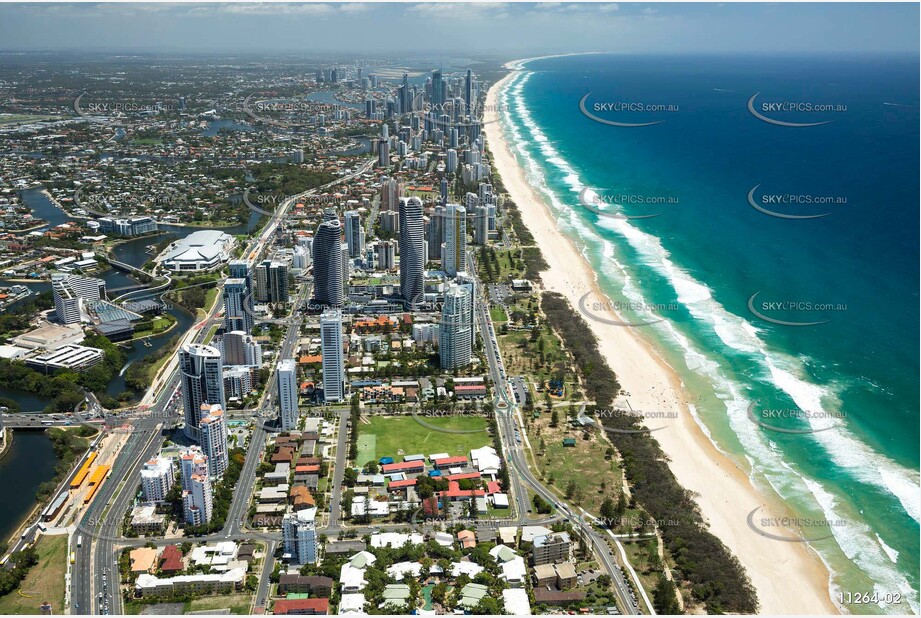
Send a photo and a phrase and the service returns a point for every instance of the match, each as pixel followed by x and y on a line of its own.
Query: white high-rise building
pixel 333 360
pixel 213 433
pixel 412 250
pixel 73 295
pixel 287 393
pixel 192 461
pixel 239 348
pixel 300 536
pixel 157 478
pixel 454 259
pixel 455 333
pixel 201 381
pixel 198 502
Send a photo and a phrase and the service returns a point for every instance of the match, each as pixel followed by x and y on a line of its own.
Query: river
pixel 29 463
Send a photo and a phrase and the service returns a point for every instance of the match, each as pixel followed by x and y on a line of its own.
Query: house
pixel 171 560
pixel 143 559
pixel 395 595
pixel 467 539
pixel 352 603
pixel 401 569
pixel 465 567
pixel 471 595
pixel 515 601
pixel 571 442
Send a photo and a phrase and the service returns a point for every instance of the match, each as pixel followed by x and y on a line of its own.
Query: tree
pixel 570 488
pixel 663 598
pixel 608 512
pixel 554 418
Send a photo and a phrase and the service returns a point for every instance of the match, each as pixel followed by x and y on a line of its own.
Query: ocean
pixel 761 215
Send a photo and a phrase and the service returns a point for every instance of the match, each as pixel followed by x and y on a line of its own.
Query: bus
pixel 80 541
pixel 73 557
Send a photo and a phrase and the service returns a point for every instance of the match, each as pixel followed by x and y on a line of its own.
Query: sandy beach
pixel 788 576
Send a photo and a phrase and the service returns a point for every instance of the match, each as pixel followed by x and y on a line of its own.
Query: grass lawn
pixel 498 314
pixel 237 603
pixel 583 464
pixel 44 582
pixel 395 436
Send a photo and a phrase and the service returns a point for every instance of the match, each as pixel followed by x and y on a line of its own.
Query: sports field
pixel 396 436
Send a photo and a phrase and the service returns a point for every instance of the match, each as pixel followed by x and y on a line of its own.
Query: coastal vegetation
pixel 599 381
pixel 716 577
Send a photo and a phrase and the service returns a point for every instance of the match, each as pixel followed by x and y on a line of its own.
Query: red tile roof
pixel 405 466
pixel 401 484
pixel 172 559
pixel 298 606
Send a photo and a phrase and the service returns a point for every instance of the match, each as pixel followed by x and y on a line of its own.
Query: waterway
pixel 133 252
pixel 29 463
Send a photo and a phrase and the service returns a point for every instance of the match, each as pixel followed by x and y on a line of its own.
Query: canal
pixel 29 462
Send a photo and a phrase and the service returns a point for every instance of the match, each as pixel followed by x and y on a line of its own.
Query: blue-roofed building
pixel 434 472
pixel 385 460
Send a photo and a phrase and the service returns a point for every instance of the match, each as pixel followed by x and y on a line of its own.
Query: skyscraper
pixel 201 381
pixel 198 501
pixel 287 393
pixel 333 360
pixel 412 249
pixel 439 94
pixel 436 235
pixel 300 536
pixel 468 93
pixel 391 192
pixel 354 233
pixel 327 264
pixel 454 259
pixel 192 461
pixel 213 433
pixel 455 333
pixel 272 282
pixel 481 226
pixel 236 314
pixel 73 295
pixel 239 348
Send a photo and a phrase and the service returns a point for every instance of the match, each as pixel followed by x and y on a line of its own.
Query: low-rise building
pixel 200 583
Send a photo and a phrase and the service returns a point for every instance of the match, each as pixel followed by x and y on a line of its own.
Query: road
pixel 506 412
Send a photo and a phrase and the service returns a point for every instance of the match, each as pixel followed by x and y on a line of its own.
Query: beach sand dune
pixel 788 576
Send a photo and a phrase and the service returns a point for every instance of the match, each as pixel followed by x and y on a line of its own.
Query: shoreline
pixel 789 578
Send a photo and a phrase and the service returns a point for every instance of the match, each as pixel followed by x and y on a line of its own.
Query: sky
pixel 512 29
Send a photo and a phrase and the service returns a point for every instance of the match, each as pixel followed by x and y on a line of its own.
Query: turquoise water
pixel 846 390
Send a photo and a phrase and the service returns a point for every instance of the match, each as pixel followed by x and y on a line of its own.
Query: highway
pixel 506 412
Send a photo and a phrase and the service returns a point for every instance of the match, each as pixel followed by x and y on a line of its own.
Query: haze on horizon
pixel 472 29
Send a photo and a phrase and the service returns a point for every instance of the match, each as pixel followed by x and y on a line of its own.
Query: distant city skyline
pixel 472 28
